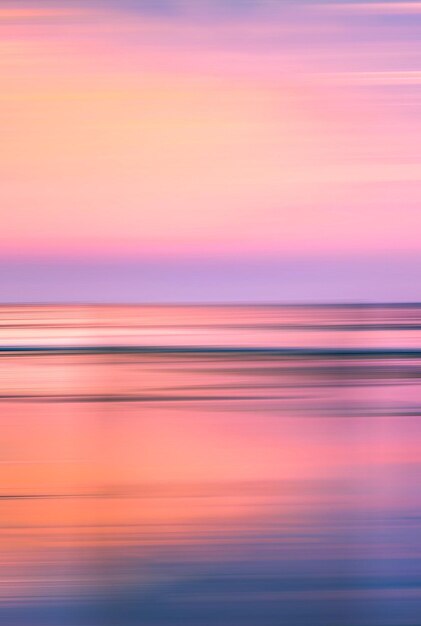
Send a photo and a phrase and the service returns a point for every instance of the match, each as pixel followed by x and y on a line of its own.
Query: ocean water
pixel 210 466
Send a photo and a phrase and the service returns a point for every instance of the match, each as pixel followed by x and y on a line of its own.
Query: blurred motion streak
pixel 228 462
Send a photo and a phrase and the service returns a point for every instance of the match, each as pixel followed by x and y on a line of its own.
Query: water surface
pixel 205 466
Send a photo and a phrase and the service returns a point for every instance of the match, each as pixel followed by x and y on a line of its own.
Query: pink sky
pixel 202 131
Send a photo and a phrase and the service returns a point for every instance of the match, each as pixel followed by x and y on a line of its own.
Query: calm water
pixel 210 466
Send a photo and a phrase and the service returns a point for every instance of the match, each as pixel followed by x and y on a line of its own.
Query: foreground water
pixel 204 466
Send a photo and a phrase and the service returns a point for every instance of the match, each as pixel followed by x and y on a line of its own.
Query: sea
pixel 210 465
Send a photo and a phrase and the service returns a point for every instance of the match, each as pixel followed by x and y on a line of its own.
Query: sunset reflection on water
pixel 210 465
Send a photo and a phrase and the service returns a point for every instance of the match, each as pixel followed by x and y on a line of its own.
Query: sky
pixel 210 150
